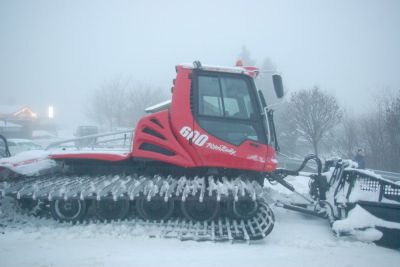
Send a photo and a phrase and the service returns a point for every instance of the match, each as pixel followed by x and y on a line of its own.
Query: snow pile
pixel 368 235
pixel 360 219
pixel 34 161
pixel 28 162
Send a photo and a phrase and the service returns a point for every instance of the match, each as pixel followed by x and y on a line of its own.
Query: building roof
pixel 16 110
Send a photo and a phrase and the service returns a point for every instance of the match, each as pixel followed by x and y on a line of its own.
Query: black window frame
pixel 256 121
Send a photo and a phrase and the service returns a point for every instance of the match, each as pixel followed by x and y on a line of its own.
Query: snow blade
pixel 377 196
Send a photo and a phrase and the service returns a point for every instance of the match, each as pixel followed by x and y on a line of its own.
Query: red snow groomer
pixel 197 164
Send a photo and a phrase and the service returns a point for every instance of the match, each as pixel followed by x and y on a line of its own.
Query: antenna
pixel 197 64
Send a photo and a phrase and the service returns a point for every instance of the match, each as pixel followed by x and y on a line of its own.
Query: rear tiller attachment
pixel 353 200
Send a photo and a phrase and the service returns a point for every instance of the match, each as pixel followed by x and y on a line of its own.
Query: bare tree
pixel 392 128
pixel 107 104
pixel 347 138
pixel 141 96
pixel 120 104
pixel 286 128
pixel 373 134
pixel 377 132
pixel 314 113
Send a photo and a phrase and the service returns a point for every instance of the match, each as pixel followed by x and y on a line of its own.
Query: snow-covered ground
pixel 297 240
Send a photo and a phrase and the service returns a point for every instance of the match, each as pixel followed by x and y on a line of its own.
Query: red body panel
pixel 178 121
pixel 168 136
pixel 159 123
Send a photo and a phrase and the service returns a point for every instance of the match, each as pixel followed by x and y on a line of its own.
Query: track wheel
pixel 32 207
pixel 71 210
pixel 108 209
pixel 243 208
pixel 156 209
pixel 195 210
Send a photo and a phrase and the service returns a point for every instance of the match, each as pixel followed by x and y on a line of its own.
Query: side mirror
pixel 278 85
pixel 4 152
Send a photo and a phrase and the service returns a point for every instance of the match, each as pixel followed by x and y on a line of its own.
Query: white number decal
pixel 197 138
pixel 201 140
pixel 185 131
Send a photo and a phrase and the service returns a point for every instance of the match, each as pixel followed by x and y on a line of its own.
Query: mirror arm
pixel 7 151
pixel 272 123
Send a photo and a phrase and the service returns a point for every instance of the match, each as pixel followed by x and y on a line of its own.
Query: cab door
pixel 228 113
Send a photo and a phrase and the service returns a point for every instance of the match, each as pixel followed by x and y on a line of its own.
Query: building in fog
pixel 9 129
pixel 18 121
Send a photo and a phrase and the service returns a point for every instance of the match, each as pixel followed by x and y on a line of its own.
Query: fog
pixel 57 53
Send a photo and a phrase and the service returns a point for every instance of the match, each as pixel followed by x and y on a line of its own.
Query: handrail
pixel 58 143
pixel 385 174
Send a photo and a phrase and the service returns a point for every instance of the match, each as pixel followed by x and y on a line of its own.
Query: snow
pixel 372 173
pixel 367 191
pixel 360 218
pixel 297 240
pixel 368 235
pixel 28 162
pixel 33 161
pixel 88 150
pixel 215 68
pixel 160 106
pixel 279 192
pixel 363 191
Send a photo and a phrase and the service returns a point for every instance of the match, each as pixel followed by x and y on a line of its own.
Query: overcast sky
pixel 58 52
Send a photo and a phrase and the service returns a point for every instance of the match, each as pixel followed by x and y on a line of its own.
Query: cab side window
pixel 211 98
pixel 226 108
